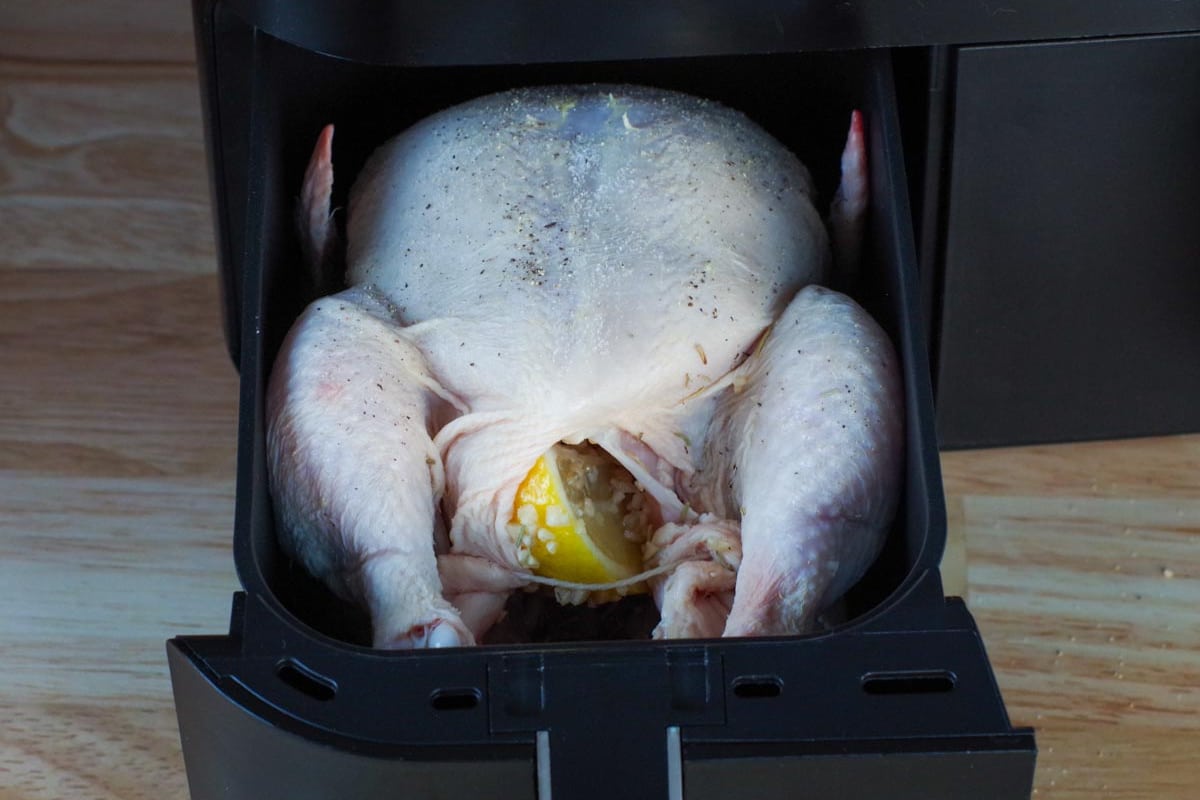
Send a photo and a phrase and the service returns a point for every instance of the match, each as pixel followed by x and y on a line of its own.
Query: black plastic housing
pixel 898 701
pixel 1069 280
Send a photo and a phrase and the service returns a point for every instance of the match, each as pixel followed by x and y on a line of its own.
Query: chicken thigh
pixel 621 270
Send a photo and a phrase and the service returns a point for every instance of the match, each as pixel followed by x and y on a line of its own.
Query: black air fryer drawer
pixel 898 701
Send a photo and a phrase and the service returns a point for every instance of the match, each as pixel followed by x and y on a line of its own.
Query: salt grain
pixel 527 514
pixel 556 516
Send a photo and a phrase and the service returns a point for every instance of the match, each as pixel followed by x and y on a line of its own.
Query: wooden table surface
pixel 117 444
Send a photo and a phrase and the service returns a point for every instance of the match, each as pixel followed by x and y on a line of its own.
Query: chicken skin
pixel 576 281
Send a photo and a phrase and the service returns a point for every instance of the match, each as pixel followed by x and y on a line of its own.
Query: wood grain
pixel 117 424
pixel 97 30
pixel 1083 570
pixel 117 443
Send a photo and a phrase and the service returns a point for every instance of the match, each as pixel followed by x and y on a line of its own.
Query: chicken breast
pixel 618 266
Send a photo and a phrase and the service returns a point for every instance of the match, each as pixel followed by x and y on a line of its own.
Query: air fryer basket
pixel 292 703
pixel 804 100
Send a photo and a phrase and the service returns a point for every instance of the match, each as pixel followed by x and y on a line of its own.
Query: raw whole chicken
pixel 583 346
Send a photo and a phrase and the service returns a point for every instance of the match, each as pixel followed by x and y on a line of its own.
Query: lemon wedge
pixel 578 517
